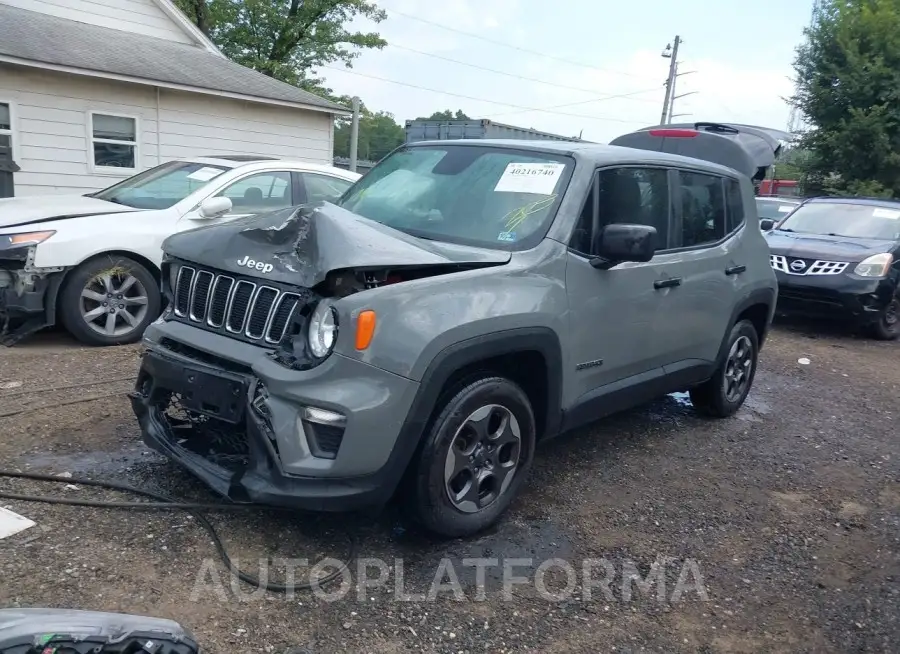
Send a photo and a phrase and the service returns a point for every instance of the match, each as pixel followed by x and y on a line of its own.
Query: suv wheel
pixel 888 326
pixel 724 393
pixel 109 300
pixel 474 459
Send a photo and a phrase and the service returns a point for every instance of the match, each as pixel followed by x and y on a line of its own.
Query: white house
pixel 96 90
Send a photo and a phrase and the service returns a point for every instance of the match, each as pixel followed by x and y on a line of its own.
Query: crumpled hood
pixel 826 248
pixel 44 208
pixel 304 244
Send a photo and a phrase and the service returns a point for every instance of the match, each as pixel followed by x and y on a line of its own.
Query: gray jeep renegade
pixel 461 302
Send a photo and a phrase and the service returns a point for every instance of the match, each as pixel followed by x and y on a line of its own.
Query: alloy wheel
pixel 113 303
pixel 483 458
pixel 738 367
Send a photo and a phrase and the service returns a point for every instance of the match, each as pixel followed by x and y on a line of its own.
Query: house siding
pixel 137 16
pixel 51 138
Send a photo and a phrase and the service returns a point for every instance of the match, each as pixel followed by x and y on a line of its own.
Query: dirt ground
pixel 782 525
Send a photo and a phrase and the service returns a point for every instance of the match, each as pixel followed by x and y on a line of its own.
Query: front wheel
pixel 888 326
pixel 109 300
pixel 724 393
pixel 474 459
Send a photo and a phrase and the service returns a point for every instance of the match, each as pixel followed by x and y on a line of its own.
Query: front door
pixel 616 314
pixel 256 193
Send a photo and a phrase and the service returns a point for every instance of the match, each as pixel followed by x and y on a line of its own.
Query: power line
pixel 537 53
pixel 470 97
pixel 500 72
pixel 572 104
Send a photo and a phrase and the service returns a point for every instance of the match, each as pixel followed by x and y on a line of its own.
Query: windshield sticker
pixel 785 208
pixel 886 213
pixel 538 178
pixel 507 237
pixel 204 174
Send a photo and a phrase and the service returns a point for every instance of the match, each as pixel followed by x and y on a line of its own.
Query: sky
pixel 568 57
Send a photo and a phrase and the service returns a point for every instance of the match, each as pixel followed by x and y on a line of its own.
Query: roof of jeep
pixel 590 153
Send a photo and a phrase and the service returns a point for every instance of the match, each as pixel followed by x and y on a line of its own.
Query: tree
pixel 848 74
pixel 447 114
pixel 285 39
pixel 379 133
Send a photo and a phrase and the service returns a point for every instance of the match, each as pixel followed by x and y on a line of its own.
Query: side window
pixel 259 193
pixel 626 195
pixel 324 187
pixel 702 209
pixel 734 202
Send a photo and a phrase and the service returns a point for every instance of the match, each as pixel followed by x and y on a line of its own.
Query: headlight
pixel 875 266
pixel 323 329
pixel 8 241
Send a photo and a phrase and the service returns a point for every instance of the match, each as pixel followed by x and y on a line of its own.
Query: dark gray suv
pixel 461 302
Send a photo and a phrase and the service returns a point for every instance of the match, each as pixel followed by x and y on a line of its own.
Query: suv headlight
pixel 323 329
pixel 875 266
pixel 9 241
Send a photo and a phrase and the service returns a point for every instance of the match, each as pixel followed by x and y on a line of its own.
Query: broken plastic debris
pixel 803 361
pixel 7 385
pixel 12 523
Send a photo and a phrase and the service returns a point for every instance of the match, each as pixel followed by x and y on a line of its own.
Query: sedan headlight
pixel 9 241
pixel 323 328
pixel 875 266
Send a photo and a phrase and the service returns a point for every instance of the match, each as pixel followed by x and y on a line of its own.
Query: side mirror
pixel 623 242
pixel 213 207
pixel 766 224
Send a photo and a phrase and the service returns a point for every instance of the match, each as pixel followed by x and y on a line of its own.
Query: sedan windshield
pixel 160 187
pixel 491 197
pixel 774 209
pixel 845 219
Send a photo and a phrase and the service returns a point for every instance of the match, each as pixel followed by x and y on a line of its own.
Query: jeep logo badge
pixel 261 266
pixel 797 265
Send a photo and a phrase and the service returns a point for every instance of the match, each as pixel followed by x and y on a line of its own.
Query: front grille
pixel 799 266
pixel 248 309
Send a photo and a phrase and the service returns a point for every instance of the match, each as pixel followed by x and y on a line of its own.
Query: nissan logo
pixel 797 265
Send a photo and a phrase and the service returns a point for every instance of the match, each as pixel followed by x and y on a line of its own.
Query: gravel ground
pixel 781 525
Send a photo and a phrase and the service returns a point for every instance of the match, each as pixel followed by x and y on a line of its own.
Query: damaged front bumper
pixel 324 439
pixel 27 295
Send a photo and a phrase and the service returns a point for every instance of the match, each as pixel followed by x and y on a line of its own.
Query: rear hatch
pixel 748 149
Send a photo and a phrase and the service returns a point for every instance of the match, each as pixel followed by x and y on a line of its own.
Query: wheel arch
pixel 141 259
pixel 758 307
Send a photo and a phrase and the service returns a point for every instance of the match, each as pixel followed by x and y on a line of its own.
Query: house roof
pixel 29 38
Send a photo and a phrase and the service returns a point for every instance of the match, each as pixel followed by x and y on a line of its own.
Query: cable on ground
pixel 165 503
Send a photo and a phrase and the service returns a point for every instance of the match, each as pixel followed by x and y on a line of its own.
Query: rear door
pixel 709 216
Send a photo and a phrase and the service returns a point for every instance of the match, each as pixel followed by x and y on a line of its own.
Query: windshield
pixel 160 187
pixel 844 219
pixel 774 210
pixel 486 196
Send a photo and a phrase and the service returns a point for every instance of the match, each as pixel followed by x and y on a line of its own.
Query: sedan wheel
pixel 114 304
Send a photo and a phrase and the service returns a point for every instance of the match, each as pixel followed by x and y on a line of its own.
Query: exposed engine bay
pixel 27 295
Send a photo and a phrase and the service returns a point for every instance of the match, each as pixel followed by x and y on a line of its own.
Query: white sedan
pixel 93 260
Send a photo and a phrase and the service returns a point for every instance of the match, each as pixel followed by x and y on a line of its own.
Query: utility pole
pixel 674 97
pixel 354 133
pixel 671 53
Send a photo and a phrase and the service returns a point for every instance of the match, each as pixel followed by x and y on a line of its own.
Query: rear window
pixel 485 196
pixel 773 209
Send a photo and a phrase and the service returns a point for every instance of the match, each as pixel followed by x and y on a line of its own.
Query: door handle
pixel 735 270
pixel 667 283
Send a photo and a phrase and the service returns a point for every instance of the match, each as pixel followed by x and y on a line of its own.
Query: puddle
pixel 121 462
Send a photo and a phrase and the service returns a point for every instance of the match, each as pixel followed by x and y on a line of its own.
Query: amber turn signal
pixel 365 329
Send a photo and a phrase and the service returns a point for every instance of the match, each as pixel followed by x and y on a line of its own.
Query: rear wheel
pixel 888 326
pixel 474 460
pixel 724 393
pixel 109 300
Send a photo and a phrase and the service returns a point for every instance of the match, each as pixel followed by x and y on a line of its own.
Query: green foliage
pixel 848 74
pixel 379 133
pixel 447 114
pixel 285 39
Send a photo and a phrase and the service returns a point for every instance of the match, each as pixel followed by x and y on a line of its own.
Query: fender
pixel 459 355
pixel 766 296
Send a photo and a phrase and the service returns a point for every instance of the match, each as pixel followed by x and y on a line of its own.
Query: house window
pixel 114 141
pixel 5 127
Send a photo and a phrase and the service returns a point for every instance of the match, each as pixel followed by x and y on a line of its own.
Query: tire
pixel 493 404
pixel 97 281
pixel 888 326
pixel 711 398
